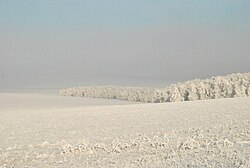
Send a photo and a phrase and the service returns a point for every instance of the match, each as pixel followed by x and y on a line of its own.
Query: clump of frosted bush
pixel 215 146
pixel 234 85
pixel 112 92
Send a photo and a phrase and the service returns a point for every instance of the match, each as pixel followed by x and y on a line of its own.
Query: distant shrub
pixel 234 85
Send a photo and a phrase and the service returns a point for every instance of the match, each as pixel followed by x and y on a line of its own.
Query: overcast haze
pixel 47 43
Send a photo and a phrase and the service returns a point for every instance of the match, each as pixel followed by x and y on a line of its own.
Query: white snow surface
pixel 234 85
pixel 209 133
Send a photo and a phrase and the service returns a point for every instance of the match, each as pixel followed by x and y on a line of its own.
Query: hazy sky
pixel 53 41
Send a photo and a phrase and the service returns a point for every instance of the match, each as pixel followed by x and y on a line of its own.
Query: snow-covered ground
pixel 37 101
pixel 53 131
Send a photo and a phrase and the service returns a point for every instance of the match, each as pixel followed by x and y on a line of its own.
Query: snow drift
pixel 234 85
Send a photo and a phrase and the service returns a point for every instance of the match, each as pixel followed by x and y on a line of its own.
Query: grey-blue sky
pixel 84 14
pixel 46 40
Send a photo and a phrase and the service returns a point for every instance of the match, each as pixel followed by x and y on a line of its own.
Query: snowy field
pixel 42 131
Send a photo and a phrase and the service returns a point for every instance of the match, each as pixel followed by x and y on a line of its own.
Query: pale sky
pixel 45 42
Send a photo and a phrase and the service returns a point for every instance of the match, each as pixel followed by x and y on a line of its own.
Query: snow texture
pixel 195 134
